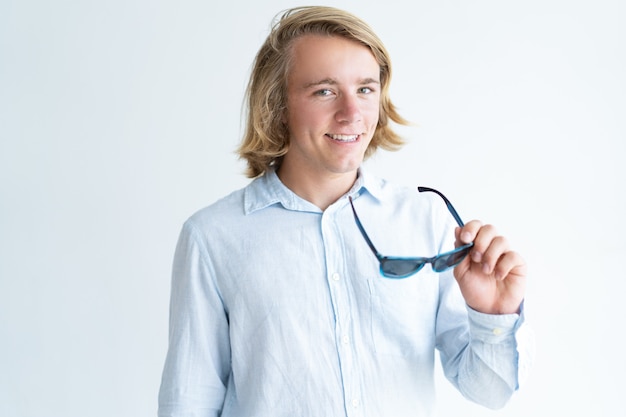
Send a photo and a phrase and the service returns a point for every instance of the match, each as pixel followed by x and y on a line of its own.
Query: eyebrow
pixel 331 81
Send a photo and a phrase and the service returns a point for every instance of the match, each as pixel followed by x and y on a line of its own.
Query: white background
pixel 118 120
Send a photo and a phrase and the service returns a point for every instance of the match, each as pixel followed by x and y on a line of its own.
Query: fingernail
pixel 476 256
pixel 466 237
pixel 486 268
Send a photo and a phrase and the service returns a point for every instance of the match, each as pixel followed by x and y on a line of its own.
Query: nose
pixel 348 110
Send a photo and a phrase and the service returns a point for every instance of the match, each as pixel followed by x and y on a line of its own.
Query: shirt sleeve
pixel 197 365
pixel 484 356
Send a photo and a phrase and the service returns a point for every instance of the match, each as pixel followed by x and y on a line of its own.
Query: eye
pixel 365 90
pixel 324 92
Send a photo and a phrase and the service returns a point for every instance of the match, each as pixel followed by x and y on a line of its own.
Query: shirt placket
pixel 340 293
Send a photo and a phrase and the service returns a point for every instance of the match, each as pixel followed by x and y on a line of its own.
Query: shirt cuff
pixel 494 328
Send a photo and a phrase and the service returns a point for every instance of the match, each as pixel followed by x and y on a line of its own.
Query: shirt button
pixel 497 331
pixel 355 403
pixel 345 340
pixel 336 277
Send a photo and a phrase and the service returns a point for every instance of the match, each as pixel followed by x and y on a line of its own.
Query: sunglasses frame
pixel 461 252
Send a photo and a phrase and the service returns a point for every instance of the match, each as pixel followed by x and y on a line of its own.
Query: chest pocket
pixel 403 314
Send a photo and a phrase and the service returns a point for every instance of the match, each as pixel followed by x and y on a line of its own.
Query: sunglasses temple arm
pixel 448 204
pixel 455 214
pixel 362 230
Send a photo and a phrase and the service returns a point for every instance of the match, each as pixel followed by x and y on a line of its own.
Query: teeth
pixel 344 138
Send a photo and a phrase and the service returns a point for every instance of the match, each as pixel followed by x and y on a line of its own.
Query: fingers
pixel 508 265
pixel 491 251
pixel 468 233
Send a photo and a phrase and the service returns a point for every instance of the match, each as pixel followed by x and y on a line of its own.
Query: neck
pixel 319 190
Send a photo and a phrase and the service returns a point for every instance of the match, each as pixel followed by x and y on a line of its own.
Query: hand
pixel 492 277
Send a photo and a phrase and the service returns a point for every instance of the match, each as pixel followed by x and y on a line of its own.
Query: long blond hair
pixel 266 138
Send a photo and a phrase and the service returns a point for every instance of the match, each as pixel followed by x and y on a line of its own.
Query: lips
pixel 343 138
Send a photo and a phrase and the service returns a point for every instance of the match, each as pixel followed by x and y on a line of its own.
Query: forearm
pixel 489 368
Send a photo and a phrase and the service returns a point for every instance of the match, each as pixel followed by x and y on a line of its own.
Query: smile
pixel 343 138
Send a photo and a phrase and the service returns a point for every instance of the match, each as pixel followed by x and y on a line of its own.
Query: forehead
pixel 334 57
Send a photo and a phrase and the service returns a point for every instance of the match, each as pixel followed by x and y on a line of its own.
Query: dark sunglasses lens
pixel 400 268
pixel 451 259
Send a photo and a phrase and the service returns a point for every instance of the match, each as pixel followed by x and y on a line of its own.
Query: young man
pixel 282 304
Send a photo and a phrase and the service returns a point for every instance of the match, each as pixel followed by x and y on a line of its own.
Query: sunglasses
pixel 402 267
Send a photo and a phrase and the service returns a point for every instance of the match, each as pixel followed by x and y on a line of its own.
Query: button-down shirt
pixel 278 309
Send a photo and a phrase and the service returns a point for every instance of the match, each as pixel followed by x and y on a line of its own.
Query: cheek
pixel 296 121
pixel 310 118
pixel 372 110
pixel 373 116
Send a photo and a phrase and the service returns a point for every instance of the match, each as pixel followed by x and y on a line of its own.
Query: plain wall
pixel 119 119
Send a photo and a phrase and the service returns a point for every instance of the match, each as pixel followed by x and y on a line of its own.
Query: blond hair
pixel 266 138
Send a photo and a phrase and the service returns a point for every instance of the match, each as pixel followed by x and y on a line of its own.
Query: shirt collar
pixel 268 190
pixel 366 182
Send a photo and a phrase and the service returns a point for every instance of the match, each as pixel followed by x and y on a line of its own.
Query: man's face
pixel 333 99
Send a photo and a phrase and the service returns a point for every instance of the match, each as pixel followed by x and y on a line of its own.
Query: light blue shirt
pixel 278 309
